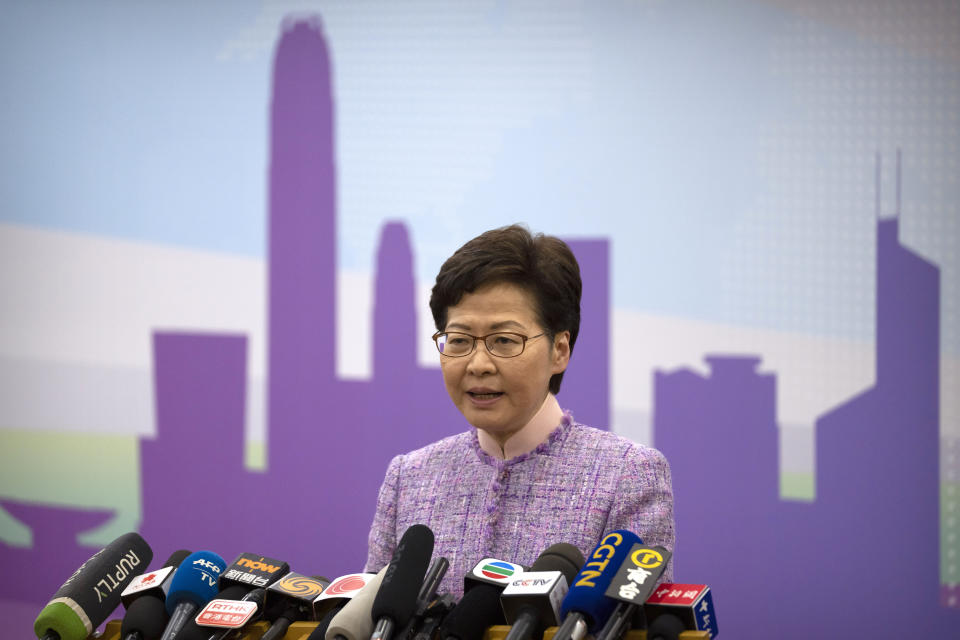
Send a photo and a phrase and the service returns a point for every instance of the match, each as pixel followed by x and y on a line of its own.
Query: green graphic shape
pixel 70 469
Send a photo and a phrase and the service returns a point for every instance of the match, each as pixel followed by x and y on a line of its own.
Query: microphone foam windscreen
pixel 562 557
pixel 233 592
pixel 478 609
pixel 586 594
pixel 354 621
pixel 148 615
pixel 666 626
pixel 195 579
pixel 176 558
pixel 93 591
pixel 320 632
pixel 397 597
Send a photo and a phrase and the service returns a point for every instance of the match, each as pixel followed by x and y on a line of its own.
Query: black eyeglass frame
pixel 473 347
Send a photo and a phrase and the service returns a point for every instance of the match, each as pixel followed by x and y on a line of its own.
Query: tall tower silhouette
pixel 394 315
pixel 302 241
pixel 874 524
pixel 878 479
pixel 586 383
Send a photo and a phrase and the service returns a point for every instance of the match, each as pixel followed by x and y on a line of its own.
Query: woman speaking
pixel 526 475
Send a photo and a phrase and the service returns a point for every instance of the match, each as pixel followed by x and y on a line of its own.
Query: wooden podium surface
pixel 300 631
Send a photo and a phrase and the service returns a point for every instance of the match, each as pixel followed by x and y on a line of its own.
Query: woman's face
pixel 500 395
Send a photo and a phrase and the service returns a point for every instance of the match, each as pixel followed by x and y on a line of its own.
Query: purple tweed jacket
pixel 575 487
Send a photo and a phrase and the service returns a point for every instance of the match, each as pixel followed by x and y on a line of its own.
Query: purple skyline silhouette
pixel 865 555
pixel 833 565
pixel 329 440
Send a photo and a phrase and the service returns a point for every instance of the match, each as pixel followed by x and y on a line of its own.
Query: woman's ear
pixel 561 352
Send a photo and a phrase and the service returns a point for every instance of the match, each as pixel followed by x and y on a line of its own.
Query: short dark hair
pixel 542 265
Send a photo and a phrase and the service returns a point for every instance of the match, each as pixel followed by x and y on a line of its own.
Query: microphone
pixel 431 582
pixel 479 607
pixel 426 597
pixel 230 615
pixel 193 631
pixel 490 571
pixel 194 584
pixel 631 586
pixel 251 570
pixel 320 631
pixel 434 616
pixel 666 627
pixel 93 591
pixel 354 621
pixel 586 607
pixel 531 601
pixel 295 594
pixel 397 598
pixel 334 598
pixel 338 593
pixel 144 598
pixel 673 608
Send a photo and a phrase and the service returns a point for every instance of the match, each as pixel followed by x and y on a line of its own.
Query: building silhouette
pixel 329 440
pixel 865 554
pixel 862 556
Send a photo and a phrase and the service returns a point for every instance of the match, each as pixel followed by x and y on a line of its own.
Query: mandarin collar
pixel 555 435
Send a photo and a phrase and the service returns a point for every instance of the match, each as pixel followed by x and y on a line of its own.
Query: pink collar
pixel 528 438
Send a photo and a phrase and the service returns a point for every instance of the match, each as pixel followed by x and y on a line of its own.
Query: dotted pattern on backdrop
pixel 949 515
pixel 896 84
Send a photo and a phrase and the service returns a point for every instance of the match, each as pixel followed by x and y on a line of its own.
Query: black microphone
pixel 633 583
pixel 397 598
pixel 294 594
pixel 144 600
pixel 320 631
pixel 674 608
pixel 667 626
pixel 431 582
pixel 93 591
pixel 531 602
pixel 476 611
pixel 251 570
pixel 479 607
pixel 434 616
pixel 426 597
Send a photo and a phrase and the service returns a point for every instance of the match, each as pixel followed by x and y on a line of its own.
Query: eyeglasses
pixel 502 345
